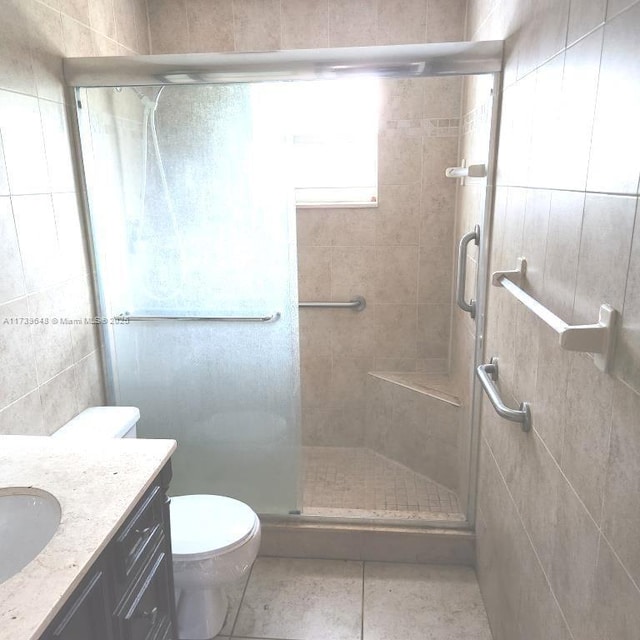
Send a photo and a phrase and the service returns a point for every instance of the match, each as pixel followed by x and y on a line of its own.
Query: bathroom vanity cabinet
pixel 128 592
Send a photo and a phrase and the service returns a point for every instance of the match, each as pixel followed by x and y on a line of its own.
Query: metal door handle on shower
pixel 470 306
pixel 125 317
pixel 487 373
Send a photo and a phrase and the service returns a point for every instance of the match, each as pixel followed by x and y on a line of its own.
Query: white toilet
pixel 214 539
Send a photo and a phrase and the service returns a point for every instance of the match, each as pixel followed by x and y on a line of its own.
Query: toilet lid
pixel 205 524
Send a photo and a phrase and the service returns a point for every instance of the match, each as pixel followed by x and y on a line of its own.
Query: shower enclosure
pixel 187 168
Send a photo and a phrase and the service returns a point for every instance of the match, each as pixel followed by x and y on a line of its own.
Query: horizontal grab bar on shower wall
pixel 125 317
pixel 594 338
pixel 487 374
pixel 357 304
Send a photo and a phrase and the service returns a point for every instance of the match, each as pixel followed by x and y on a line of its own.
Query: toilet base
pixel 201 612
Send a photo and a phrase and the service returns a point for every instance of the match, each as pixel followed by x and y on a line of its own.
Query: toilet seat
pixel 203 526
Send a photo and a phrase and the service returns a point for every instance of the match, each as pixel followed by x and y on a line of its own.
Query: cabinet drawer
pixel 146 613
pixel 137 539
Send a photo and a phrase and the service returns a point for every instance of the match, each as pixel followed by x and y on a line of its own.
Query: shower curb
pixel 375 543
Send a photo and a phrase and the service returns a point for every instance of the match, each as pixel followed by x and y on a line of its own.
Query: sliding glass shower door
pixel 193 226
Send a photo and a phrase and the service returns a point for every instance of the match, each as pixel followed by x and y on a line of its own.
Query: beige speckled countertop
pixel 97 484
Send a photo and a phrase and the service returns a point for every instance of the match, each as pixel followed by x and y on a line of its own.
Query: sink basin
pixel 28 519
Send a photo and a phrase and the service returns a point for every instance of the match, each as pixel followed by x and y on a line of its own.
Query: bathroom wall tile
pixel 47 50
pixel 584 16
pixel 59 400
pixel 563 247
pixel 545 125
pixel 445 600
pixel 23 417
pixel 16 70
pixel 621 516
pixel 549 399
pixel 89 382
pixel 256 25
pixel 397 219
pixel 168 26
pixel 604 254
pixel 351 270
pixel 587 429
pixel 434 278
pixel 70 232
pixel 573 567
pixel 352 23
pixel 395 332
pixel 289 598
pixel 395 275
pixel 354 334
pixel 400 158
pixel 314 273
pixel 58 146
pixel 11 273
pixel 550 27
pixel 446 20
pixel 442 97
pixel 614 610
pixel 210 24
pixel 38 241
pixel 348 382
pixel 401 99
pixel 615 167
pixel 102 17
pixel 312 226
pixel 51 340
pixel 438 192
pixel 78 38
pixel 525 354
pixel 81 308
pixel 142 27
pixel 570 161
pixel 105 46
pixel 395 364
pixel 17 362
pixel 627 357
pixel 402 22
pixel 305 24
pixel 434 321
pixel 614 7
pixel 21 130
pixel 76 9
pixel 352 227
pixel 315 332
pixel 315 375
pixel 125 19
pixel 534 238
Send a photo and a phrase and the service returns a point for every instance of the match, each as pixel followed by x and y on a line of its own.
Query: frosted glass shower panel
pixel 192 216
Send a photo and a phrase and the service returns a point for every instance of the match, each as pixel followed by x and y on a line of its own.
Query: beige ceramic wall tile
pixel 351 269
pixel 16 70
pixel 441 97
pixel 11 274
pixel 89 382
pixel 605 248
pixel 438 191
pixel 126 31
pixel 17 357
pixel 614 7
pixel 401 22
pixel 315 375
pixel 534 238
pixel 446 20
pixel 84 336
pixel 354 334
pixel 315 332
pixel 584 15
pixel 397 219
pixel 102 17
pixel 168 26
pixel 348 382
pixel 620 519
pixel 23 417
pixel 395 330
pixel 141 17
pixel 352 227
pixel 314 273
pixel 70 233
pixel 312 227
pixel 400 158
pixel 434 321
pixel 210 24
pixel 615 167
pixel 395 275
pixel 59 400
pixel 256 25
pixel 78 38
pixel 76 9
pixel 58 146
pixel 401 99
pixel 352 23
pixel 305 24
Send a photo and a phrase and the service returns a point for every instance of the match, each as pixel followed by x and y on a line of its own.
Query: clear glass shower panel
pixel 192 216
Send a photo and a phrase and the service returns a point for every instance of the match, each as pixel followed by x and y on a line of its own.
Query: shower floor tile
pixel 359 483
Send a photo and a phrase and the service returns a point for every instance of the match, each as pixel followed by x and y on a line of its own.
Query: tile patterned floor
pixel 299 599
pixel 357 482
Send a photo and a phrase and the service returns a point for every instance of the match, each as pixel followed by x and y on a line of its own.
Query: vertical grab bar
pixel 470 306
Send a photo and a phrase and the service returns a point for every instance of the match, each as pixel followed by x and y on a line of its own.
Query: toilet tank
pixel 101 422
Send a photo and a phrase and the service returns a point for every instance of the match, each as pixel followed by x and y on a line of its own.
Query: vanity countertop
pixel 98 483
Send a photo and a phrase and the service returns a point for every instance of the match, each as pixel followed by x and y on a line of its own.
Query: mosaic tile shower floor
pixel 359 483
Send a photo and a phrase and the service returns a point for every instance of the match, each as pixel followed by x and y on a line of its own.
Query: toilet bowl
pixel 214 539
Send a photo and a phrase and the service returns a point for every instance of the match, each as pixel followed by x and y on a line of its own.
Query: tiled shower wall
pixel 48 372
pixel 399 255
pixel 558 546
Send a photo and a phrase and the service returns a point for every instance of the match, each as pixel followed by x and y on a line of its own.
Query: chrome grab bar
pixel 357 304
pixel 125 317
pixel 470 306
pixel 487 374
